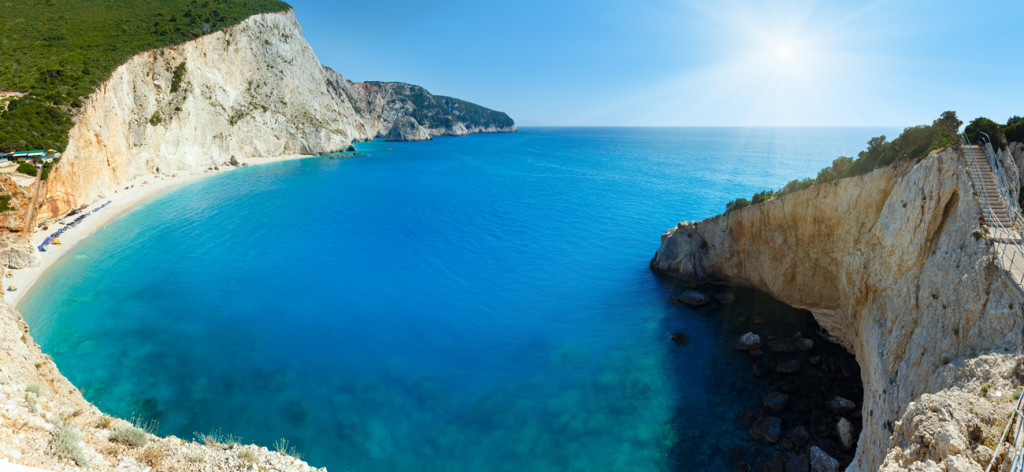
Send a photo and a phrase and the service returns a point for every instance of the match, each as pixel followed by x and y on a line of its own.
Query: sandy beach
pixel 140 190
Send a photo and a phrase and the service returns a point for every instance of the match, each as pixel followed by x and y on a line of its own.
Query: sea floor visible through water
pixel 476 303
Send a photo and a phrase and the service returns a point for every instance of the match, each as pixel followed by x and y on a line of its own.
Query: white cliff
pixel 895 266
pixel 254 89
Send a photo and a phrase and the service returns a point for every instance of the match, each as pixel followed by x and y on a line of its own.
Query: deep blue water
pixel 476 303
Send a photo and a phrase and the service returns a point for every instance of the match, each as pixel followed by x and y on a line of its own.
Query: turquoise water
pixel 477 303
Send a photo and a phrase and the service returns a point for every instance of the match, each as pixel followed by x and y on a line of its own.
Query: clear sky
pixel 688 63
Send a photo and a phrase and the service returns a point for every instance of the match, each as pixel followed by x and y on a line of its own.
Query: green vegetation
pixel 65 444
pixel 27 169
pixel 282 446
pixel 33 388
pixel 218 438
pixel 248 456
pixel 129 436
pixel 989 127
pixel 912 145
pixel 179 72
pixel 5 203
pixel 58 52
pixel 48 167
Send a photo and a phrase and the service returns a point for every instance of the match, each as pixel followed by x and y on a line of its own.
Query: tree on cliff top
pixel 58 52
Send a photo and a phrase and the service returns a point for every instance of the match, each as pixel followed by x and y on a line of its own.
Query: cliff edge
pixel 895 266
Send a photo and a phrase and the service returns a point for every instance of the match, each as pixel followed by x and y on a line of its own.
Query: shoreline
pixel 141 189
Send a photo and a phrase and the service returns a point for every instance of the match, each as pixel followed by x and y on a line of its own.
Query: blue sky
pixel 687 63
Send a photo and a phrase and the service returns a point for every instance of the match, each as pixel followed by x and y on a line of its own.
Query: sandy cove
pixel 140 190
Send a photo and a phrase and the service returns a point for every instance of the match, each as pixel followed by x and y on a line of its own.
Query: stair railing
pixel 1008 239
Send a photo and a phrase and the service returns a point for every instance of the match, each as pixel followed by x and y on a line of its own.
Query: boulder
pixel 788 367
pixel 845 430
pixel 234 161
pixel 350 148
pixel 799 435
pixel 798 463
pixel 775 401
pixel 782 345
pixel 767 429
pixel 747 342
pixel 840 405
pixel 804 344
pixel 820 461
pixel 407 128
pixel 815 360
pixel 694 298
pixel 725 298
pixel 679 338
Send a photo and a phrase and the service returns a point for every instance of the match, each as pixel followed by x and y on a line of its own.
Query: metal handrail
pixel 1008 234
pixel 1007 244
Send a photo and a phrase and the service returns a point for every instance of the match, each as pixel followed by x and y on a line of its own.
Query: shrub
pixel 985 388
pixel 179 73
pixel 129 436
pixel 218 438
pixel 762 196
pixel 33 388
pixel 27 169
pixel 1014 129
pixel 984 125
pixel 155 119
pixel 736 204
pixel 282 446
pixel 247 456
pixel 5 203
pixel 65 444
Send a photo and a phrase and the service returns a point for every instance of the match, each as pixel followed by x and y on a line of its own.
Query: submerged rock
pixel 725 298
pixel 821 461
pixel 788 367
pixel 799 435
pixel 798 463
pixel 840 405
pixel 679 338
pixel 804 344
pixel 782 345
pixel 694 298
pixel 747 342
pixel 767 429
pixel 845 430
pixel 775 401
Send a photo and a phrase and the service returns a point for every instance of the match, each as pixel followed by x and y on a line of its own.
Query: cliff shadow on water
pixel 768 406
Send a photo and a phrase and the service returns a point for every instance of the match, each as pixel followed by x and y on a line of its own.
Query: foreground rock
pixel 694 298
pixel 821 461
pixel 775 401
pixel 767 429
pixel 841 406
pixel 747 342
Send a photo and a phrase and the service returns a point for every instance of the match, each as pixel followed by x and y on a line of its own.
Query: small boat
pixel 12 288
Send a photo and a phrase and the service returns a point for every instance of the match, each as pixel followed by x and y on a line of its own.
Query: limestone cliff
pixel 255 89
pixel 893 265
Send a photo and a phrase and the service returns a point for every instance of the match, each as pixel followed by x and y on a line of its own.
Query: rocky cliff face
pixel 252 90
pixel 892 264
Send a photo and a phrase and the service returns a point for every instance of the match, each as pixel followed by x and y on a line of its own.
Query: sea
pixel 463 304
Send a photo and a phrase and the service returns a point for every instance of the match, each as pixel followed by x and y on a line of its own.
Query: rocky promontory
pixel 894 265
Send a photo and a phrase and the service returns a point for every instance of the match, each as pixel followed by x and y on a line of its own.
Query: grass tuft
pixel 65 444
pixel 284 447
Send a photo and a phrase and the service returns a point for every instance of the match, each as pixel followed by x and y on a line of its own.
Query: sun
pixel 784 52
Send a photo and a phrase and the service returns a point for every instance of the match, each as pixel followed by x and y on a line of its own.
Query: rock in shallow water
pixel 804 344
pixel 799 435
pixel 788 367
pixel 845 430
pixel 822 462
pixel 782 345
pixel 725 298
pixel 679 338
pixel 840 405
pixel 798 463
pixel 767 429
pixel 775 401
pixel 694 298
pixel 747 342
